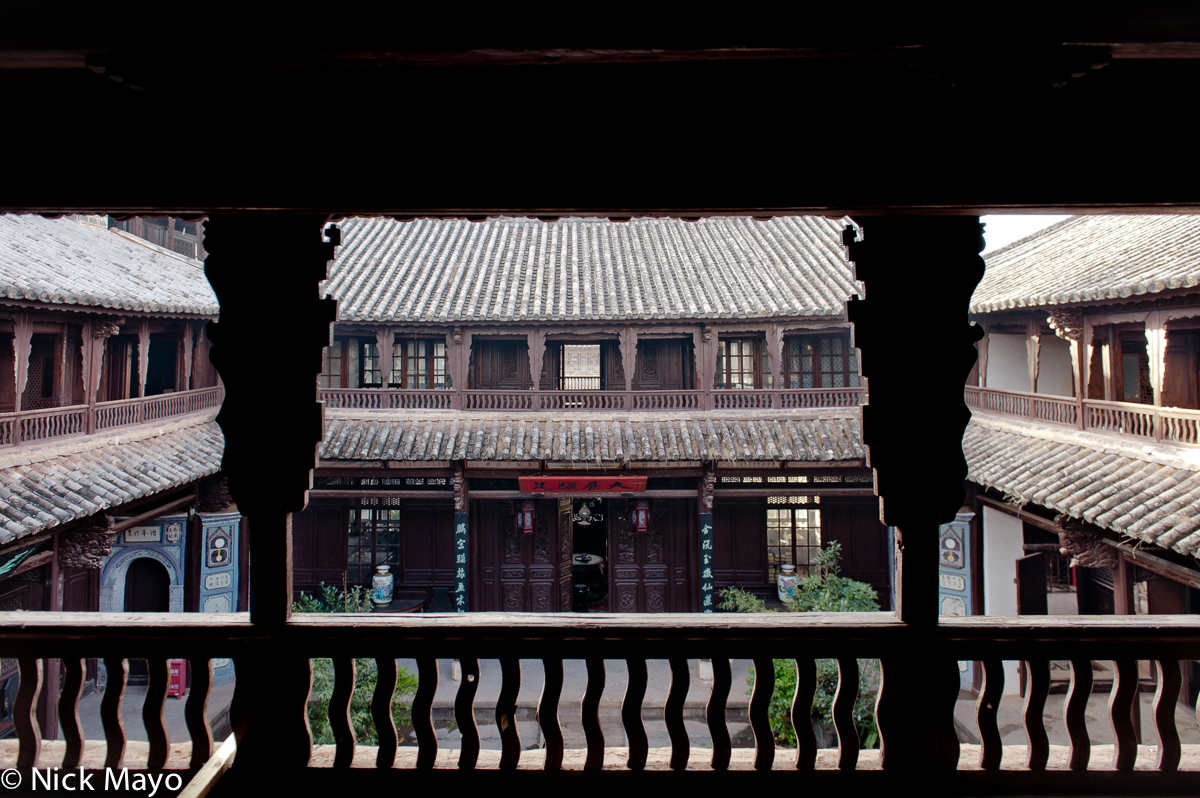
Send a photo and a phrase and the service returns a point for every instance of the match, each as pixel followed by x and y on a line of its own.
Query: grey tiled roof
pixel 574 269
pixel 1146 492
pixel 825 435
pixel 64 262
pixel 44 486
pixel 1090 258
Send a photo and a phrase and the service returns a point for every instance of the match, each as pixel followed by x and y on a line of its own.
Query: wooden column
pixel 143 356
pixel 22 343
pixel 915 442
pixel 628 346
pixel 269 465
pixel 384 344
pixel 454 363
pixel 1109 361
pixel 188 342
pixel 983 359
pixel 704 348
pixel 53 671
pixel 1156 350
pixel 1033 347
pixel 537 354
pixel 775 353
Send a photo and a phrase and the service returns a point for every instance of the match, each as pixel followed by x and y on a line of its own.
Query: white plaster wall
pixel 1054 367
pixel 1008 363
pixel 1002 539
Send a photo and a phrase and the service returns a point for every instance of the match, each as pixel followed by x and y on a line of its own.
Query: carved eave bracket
pixel 1085 546
pixel 86 547
pixel 707 488
pixel 460 489
pixel 1067 323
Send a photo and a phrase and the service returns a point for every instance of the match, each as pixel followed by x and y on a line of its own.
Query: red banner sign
pixel 582 484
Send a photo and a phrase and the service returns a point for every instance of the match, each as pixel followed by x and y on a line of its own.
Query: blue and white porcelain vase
pixel 381 585
pixel 785 583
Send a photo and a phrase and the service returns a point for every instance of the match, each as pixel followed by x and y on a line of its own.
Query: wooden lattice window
pixel 416 363
pixel 331 366
pixel 741 363
pixel 819 361
pixel 793 535
pixel 374 539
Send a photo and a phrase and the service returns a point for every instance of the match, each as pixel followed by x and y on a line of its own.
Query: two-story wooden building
pixel 694 421
pixel 1083 449
pixel 110 495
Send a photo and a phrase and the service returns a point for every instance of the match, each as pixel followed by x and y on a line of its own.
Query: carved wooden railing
pixel 579 384
pixel 1174 424
pixel 914 709
pixel 391 399
pixel 34 425
pixel 585 399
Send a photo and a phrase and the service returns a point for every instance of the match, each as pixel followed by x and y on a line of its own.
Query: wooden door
pixel 500 366
pixel 652 571
pixel 663 365
pixel 566 570
pixel 530 565
pixel 865 554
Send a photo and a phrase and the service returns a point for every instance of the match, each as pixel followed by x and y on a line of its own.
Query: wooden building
pixel 697 387
pixel 110 494
pixel 1084 441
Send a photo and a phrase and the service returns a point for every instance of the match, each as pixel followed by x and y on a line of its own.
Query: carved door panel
pixel 663 365
pixel 650 570
pixel 529 564
pixel 565 566
pixel 500 365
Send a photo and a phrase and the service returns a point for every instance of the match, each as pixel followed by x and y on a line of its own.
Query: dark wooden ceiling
pixel 175 111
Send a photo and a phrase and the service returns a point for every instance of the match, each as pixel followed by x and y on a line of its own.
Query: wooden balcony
pixel 592 400
pixel 28 426
pixel 1167 424
pixel 905 725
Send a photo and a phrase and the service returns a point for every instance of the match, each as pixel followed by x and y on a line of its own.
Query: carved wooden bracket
pixel 188 336
pixel 1087 548
pixel 86 547
pixel 214 495
pixel 143 356
pixel 106 326
pixel 460 489
pixel 775 353
pixel 22 343
pixel 1066 322
pixel 707 486
pixel 537 354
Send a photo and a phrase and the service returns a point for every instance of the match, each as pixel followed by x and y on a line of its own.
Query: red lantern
pixel 525 517
pixel 641 515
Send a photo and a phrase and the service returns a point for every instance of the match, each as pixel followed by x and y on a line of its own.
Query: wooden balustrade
pixel 1174 424
pixel 34 425
pixel 546 641
pixel 588 399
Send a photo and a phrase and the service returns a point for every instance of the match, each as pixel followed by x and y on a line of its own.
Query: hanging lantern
pixel 641 516
pixel 525 517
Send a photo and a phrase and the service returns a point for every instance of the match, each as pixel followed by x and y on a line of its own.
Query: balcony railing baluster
pixel 843 713
pixel 1037 688
pixel 631 714
pixel 592 733
pixel 29 733
pixel 802 699
pixel 547 713
pixel 68 711
pixel 987 708
pixel 1120 712
pixel 681 677
pixel 157 734
pixel 422 712
pixel 506 712
pixel 464 714
pixel 111 710
pixel 195 712
pixel 1170 678
pixel 715 712
pixel 339 711
pixel 381 712
pixel 1074 714
pixel 760 705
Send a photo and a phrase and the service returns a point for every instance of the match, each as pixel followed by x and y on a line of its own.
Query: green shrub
pixel 823 591
pixel 366 675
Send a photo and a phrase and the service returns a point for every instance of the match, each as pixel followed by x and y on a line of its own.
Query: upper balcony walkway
pixel 29 426
pixel 1161 424
pixel 585 400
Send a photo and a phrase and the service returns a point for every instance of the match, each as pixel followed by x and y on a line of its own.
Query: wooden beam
pixel 1157 565
pixel 150 515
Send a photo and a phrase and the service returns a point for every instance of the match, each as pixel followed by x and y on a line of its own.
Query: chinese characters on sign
pixel 582 484
pixel 459 596
pixel 706 555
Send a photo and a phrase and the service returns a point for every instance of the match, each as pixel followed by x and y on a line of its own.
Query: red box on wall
pixel 177 678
